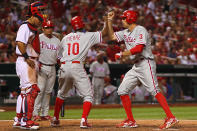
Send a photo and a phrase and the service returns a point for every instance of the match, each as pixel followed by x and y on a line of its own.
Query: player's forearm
pixel 110 30
pixel 22 47
pixel 105 28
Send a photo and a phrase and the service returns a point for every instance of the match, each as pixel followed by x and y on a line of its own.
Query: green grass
pixel 184 113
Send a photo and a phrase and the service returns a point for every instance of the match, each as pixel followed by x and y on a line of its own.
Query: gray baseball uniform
pixel 74 48
pixel 99 72
pixel 144 69
pixel 47 74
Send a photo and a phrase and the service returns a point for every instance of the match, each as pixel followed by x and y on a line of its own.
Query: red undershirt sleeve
pixel 137 49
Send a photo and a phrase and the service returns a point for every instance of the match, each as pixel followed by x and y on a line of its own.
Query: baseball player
pixel 49 45
pixel 99 70
pixel 138 45
pixel 27 50
pixel 73 49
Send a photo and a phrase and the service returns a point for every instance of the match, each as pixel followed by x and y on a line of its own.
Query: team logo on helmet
pixel 37 9
pixel 77 23
pixel 130 16
pixel 47 23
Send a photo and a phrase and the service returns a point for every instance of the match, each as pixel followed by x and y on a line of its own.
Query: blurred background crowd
pixel 172 25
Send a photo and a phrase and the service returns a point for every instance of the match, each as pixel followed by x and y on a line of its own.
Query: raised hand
pixel 110 15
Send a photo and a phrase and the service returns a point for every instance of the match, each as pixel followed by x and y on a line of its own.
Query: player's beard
pixel 49 35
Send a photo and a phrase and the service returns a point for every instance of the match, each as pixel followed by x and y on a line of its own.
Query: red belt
pixel 31 57
pixel 72 62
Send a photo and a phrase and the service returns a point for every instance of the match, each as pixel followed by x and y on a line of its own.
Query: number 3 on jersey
pixel 73 48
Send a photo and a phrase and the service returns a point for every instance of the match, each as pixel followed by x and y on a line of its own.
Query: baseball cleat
pixel 84 124
pixel 45 118
pixel 30 125
pixel 16 123
pixel 55 122
pixel 169 122
pixel 36 118
pixel 127 124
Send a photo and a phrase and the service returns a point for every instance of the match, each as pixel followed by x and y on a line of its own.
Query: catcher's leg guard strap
pixel 31 96
pixel 34 91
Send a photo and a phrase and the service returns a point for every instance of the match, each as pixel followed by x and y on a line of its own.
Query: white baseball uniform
pixel 74 49
pixel 27 75
pixel 144 69
pixel 99 72
pixel 47 73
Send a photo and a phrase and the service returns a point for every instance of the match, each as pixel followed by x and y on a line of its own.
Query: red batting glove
pixel 118 55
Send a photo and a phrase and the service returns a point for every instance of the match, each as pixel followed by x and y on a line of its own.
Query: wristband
pixel 25 55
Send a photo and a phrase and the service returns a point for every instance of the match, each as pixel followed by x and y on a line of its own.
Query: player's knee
pixel 154 92
pixel 88 98
pixel 122 92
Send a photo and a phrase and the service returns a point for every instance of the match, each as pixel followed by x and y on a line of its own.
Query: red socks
pixel 126 102
pixel 86 109
pixel 162 101
pixel 58 105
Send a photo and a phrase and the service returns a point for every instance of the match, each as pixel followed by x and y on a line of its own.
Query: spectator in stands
pixel 172 24
pixel 183 57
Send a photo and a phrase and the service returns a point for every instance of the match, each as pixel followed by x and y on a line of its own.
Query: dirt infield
pixel 106 125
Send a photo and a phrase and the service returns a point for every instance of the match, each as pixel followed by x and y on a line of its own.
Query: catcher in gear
pixel 27 50
pixel 138 44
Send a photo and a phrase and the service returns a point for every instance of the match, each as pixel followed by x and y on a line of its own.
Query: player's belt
pixel 100 77
pixel 31 57
pixel 25 89
pixel 139 60
pixel 47 64
pixel 71 62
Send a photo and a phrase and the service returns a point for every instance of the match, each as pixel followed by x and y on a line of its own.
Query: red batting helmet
pixel 77 23
pixel 131 16
pixel 37 9
pixel 47 23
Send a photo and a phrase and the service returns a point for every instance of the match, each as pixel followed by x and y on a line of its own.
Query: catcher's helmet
pixel 77 23
pixel 131 16
pixel 47 23
pixel 37 9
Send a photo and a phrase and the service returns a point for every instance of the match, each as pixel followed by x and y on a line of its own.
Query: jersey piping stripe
pixel 117 37
pixel 152 76
pixel 100 37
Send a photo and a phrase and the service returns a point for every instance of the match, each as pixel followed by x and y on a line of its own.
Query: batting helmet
pixel 77 23
pixel 47 23
pixel 131 16
pixel 37 9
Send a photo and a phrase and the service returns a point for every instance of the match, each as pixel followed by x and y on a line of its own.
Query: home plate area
pixel 106 125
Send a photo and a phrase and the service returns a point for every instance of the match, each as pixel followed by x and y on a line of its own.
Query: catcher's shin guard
pixel 31 96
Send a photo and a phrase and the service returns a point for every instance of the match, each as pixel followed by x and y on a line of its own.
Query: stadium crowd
pixel 173 29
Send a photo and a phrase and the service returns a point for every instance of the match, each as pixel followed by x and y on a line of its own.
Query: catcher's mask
pixel 38 9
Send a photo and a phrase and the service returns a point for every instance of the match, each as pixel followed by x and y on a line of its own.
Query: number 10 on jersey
pixel 73 48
